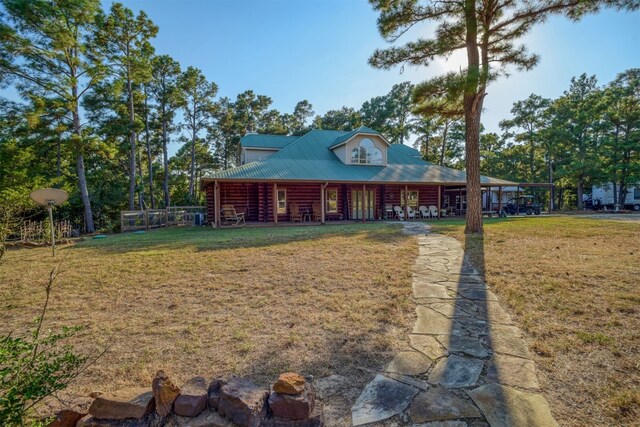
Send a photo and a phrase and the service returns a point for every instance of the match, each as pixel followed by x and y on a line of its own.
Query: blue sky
pixel 318 50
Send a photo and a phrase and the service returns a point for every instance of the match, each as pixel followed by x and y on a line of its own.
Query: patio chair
pixel 388 211
pixel 424 212
pixel 399 213
pixel 317 214
pixel 230 216
pixel 411 213
pixel 294 213
pixel 433 210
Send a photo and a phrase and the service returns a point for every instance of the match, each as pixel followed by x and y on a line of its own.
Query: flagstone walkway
pixel 466 363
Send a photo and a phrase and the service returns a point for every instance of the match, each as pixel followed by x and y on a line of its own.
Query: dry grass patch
pixel 574 285
pixel 318 300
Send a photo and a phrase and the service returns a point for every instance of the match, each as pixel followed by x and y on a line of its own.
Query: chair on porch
pixel 230 216
pixel 294 213
pixel 317 214
pixel 388 211
pixel 411 213
pixel 433 210
pixel 424 212
pixel 398 212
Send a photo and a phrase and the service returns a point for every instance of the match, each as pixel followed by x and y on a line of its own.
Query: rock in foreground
pixel 289 383
pixel 292 407
pixel 243 402
pixel 164 393
pixel 131 403
pixel 193 398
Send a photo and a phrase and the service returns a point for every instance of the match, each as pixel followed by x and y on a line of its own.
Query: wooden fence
pixel 39 231
pixel 154 218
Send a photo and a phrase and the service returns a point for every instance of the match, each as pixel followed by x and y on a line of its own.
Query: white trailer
pixel 602 197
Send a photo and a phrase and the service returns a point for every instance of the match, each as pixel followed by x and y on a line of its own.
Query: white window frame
pixel 364 155
pixel 282 209
pixel 329 210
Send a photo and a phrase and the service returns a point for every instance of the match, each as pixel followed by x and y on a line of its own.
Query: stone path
pixel 466 364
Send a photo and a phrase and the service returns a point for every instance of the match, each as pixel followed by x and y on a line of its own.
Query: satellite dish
pixel 49 196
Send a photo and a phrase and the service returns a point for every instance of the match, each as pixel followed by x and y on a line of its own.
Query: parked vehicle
pixel 602 197
pixel 523 204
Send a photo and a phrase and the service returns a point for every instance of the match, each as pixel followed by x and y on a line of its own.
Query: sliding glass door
pixel 363 202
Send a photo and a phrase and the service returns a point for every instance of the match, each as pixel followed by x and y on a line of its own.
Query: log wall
pixel 256 199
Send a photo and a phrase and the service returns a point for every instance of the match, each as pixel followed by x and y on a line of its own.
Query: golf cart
pixel 522 205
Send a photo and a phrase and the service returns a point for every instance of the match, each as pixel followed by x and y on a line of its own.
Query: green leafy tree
pixel 124 40
pixel 165 95
pixel 527 127
pixel 297 121
pixel 345 119
pixel 198 108
pixel 390 114
pixel 621 149
pixel 182 161
pixel 47 48
pixel 575 132
pixel 492 160
pixel 399 107
pixel 489 32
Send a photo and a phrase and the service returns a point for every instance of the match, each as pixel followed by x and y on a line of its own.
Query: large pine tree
pixel 46 46
pixel 488 31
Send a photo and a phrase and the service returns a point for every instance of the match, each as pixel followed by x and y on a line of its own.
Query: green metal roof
pixel 310 158
pixel 255 140
pixel 405 149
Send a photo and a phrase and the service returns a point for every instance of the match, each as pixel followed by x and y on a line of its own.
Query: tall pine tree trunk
pixel 82 178
pixel 580 191
pixel 132 142
pixel 472 110
pixel 444 142
pixel 140 185
pixel 193 169
pixel 165 160
pixel 149 157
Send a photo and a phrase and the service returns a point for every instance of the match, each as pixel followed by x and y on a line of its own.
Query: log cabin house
pixel 355 175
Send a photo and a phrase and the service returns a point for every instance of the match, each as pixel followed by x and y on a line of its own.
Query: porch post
pixel 364 189
pixel 550 199
pixel 518 201
pixel 489 208
pixel 460 200
pixel 323 200
pixel 406 199
pixel 275 203
pixel 499 199
pixel 216 204
pixel 439 200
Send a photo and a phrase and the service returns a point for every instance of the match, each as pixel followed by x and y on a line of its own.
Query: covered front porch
pixel 320 202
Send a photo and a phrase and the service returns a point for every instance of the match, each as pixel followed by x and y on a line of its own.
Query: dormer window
pixel 366 153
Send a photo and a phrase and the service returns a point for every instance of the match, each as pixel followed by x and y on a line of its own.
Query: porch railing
pixel 155 218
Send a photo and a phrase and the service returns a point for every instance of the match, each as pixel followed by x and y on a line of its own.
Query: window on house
pixel 366 153
pixel 412 198
pixel 636 193
pixel 282 201
pixel 332 201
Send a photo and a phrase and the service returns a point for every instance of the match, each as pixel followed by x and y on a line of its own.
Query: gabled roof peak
pixel 361 130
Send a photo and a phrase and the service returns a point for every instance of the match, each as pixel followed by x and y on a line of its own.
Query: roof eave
pixel 360 133
pixel 206 180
